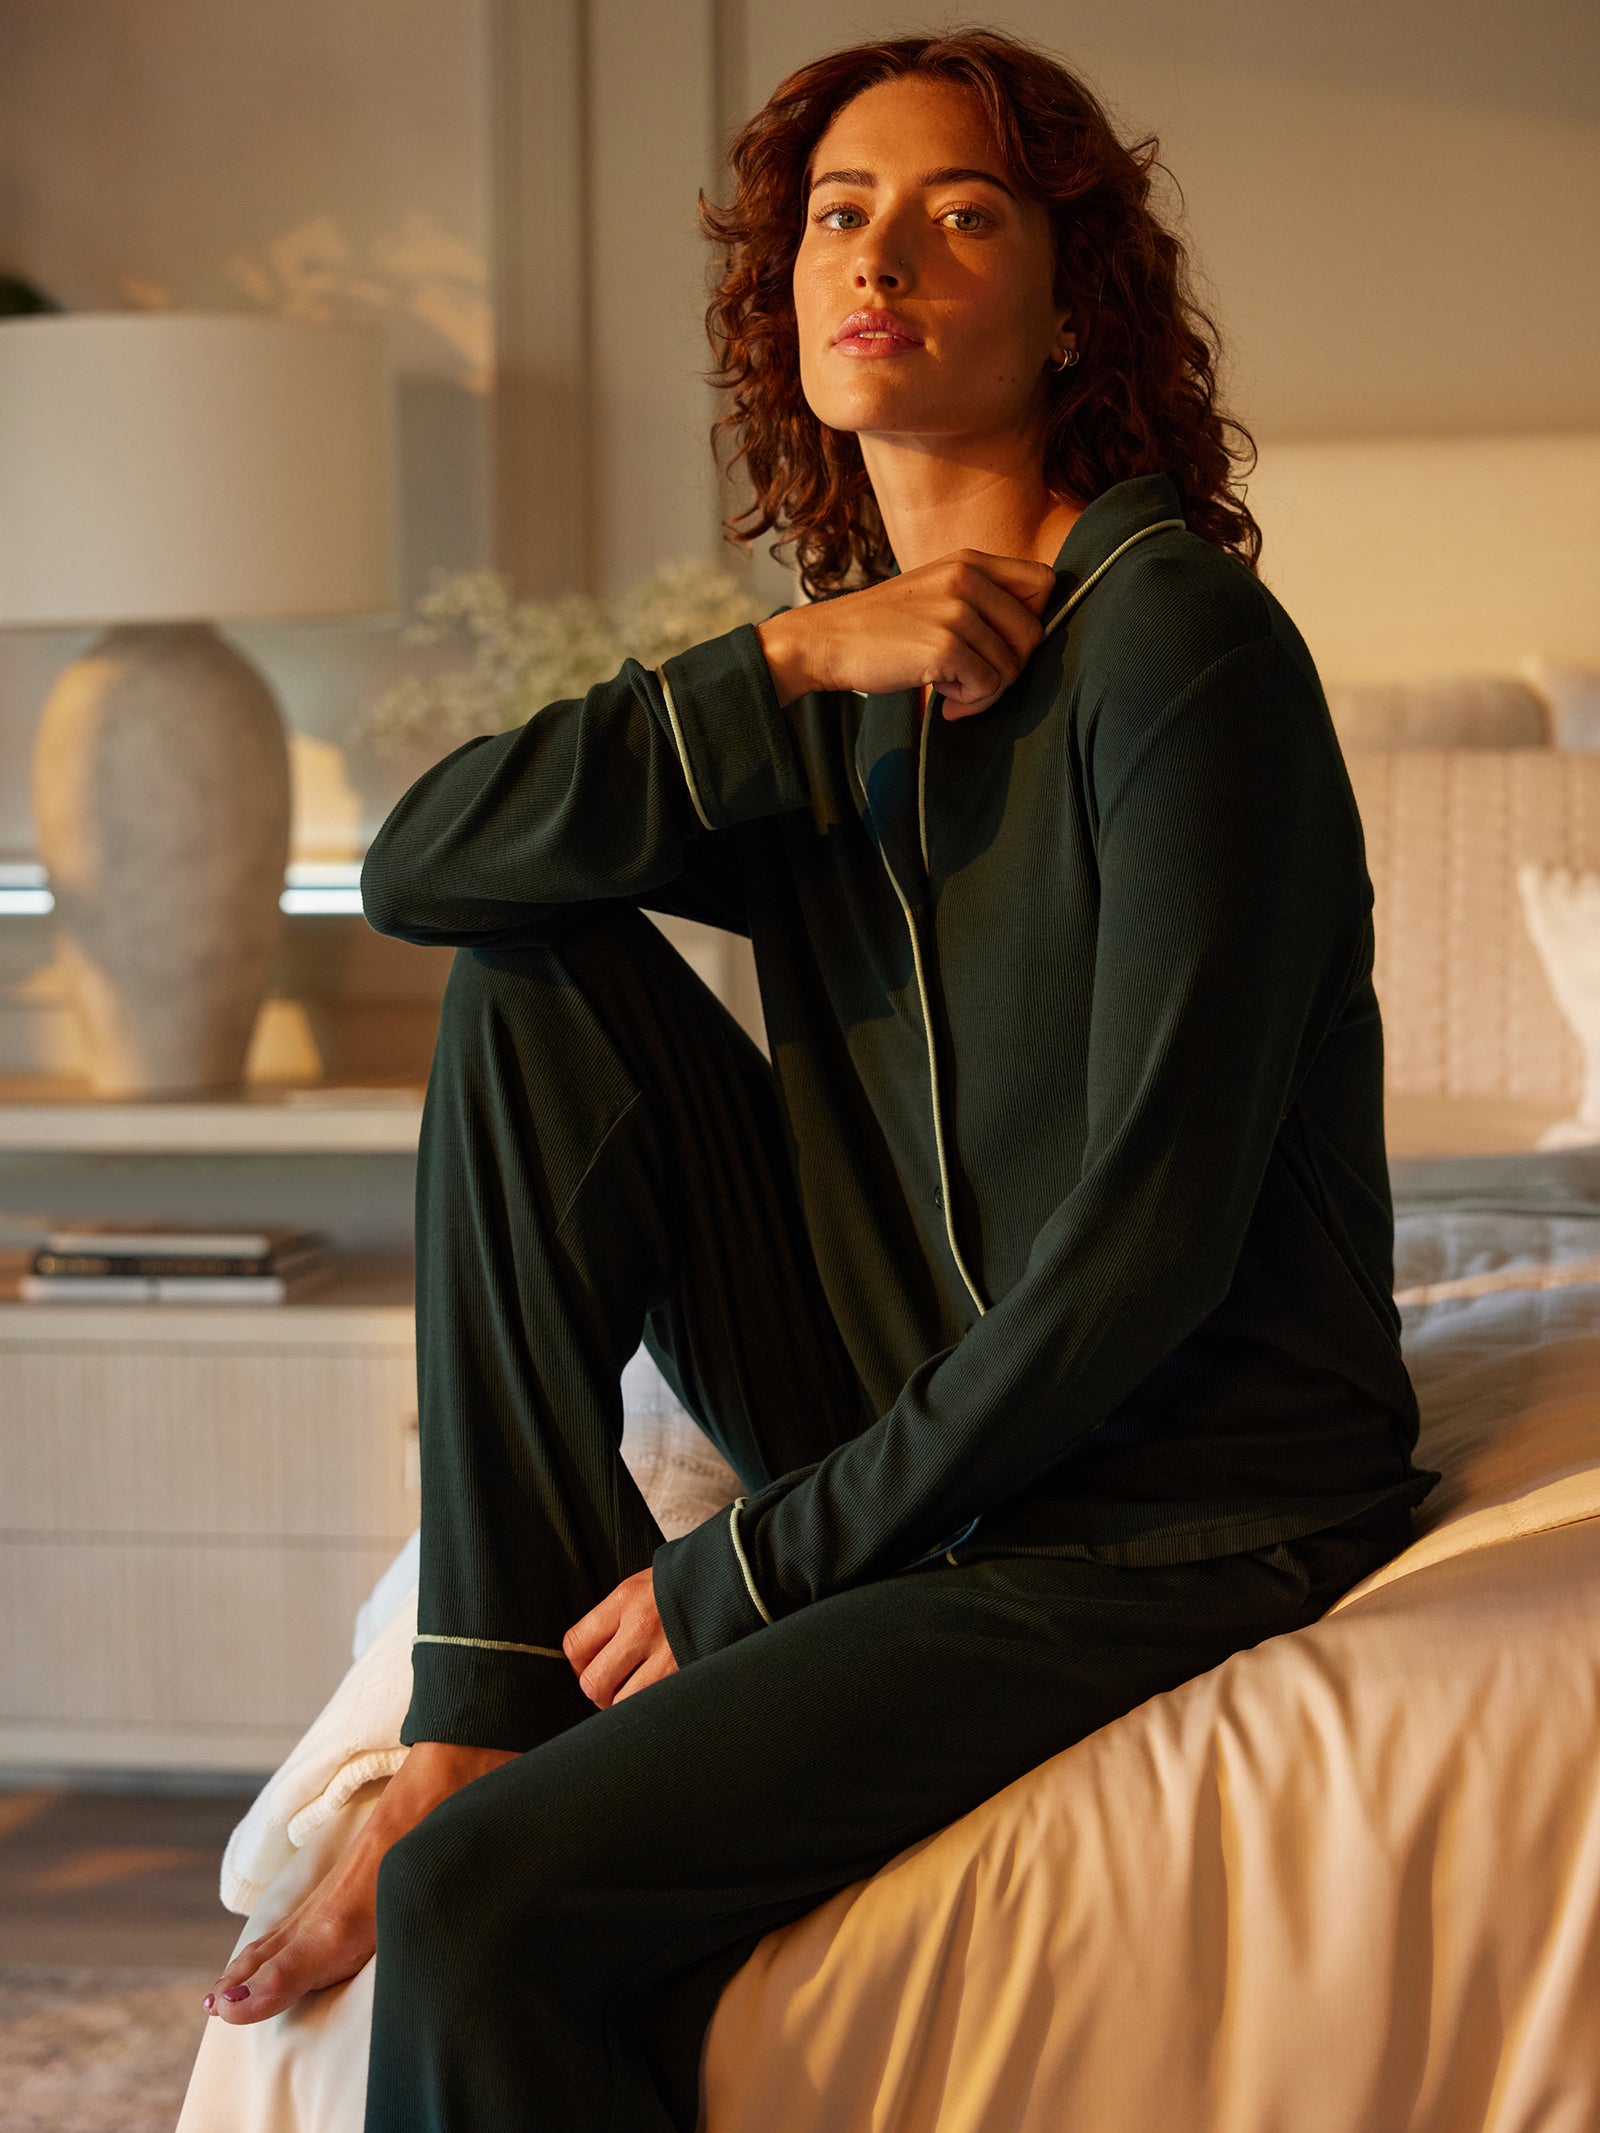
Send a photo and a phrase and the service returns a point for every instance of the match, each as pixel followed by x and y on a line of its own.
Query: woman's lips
pixel 873 335
pixel 875 344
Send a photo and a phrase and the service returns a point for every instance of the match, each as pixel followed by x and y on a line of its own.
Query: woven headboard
pixel 1467 1010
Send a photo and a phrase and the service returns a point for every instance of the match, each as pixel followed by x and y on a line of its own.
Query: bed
pixel 1348 1881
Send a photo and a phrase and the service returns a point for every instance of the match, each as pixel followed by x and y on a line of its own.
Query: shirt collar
pixel 887 739
pixel 1106 521
pixel 1103 525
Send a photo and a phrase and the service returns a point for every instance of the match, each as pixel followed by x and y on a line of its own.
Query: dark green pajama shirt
pixel 1070 1009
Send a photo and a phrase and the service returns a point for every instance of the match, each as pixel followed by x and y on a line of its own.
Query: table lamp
pixel 158 470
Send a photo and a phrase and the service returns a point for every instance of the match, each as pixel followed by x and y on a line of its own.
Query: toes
pixel 239 1966
pixel 265 1993
pixel 235 1988
pixel 274 1985
pixel 249 1959
pixel 321 1954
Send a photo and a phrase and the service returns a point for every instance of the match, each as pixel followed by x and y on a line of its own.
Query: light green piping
pixel 933 1073
pixel 1159 526
pixel 490 1644
pixel 744 1560
pixel 683 753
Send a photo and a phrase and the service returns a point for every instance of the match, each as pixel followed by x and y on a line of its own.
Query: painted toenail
pixel 237 1992
pixel 209 2002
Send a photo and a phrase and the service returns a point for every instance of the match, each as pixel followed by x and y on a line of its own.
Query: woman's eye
pixel 963 218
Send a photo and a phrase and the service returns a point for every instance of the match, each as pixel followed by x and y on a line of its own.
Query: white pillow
pixel 1573 695
pixel 1439 711
pixel 1562 912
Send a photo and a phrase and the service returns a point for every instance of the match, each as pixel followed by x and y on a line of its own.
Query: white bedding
pixel 1347 1880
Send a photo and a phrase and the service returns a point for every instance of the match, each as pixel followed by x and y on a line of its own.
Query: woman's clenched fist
pixel 964 624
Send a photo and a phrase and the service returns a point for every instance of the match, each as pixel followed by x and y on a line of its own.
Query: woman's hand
pixel 620 1645
pixel 964 624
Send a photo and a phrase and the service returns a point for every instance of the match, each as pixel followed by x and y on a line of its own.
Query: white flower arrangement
pixel 530 653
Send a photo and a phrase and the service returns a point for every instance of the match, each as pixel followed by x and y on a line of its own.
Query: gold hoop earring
pixel 1069 357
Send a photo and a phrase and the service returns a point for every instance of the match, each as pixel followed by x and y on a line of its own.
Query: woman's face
pixel 964 261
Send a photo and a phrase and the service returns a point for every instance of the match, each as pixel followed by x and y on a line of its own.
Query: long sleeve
pixel 629 792
pixel 1232 900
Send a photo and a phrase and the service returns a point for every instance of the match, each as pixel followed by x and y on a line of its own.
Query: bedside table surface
pixel 46 1112
pixel 354 1296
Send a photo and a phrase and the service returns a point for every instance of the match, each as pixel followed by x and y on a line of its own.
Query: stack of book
pixel 125 1262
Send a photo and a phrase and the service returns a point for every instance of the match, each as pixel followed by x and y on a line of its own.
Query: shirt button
pixel 938 1196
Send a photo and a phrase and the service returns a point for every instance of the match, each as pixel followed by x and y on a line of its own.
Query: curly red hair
pixel 1142 399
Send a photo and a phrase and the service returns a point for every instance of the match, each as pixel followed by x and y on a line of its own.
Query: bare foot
pixel 332 1931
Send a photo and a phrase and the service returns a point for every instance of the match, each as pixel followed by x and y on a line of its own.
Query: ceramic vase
pixel 161 805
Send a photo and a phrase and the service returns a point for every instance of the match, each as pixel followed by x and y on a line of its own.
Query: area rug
pixel 85 2050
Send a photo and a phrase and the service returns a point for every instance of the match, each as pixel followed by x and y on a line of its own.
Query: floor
pixel 110 1931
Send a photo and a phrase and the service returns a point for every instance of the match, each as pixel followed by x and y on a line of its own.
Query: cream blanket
pixel 1347 1880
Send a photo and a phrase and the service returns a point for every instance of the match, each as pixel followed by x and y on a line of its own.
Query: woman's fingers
pixel 656 1668
pixel 618 1638
pixel 975 661
pixel 592 1632
pixel 605 1674
pixel 1012 601
pixel 1027 581
pixel 967 622
pixel 993 640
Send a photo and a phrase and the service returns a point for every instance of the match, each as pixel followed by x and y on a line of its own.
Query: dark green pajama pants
pixel 603 1161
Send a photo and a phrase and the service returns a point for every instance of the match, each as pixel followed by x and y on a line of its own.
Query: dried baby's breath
pixel 528 654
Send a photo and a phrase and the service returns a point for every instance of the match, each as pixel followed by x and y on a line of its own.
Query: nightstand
pixel 194 1499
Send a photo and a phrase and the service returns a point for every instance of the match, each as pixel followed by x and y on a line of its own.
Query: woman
pixel 1039 1291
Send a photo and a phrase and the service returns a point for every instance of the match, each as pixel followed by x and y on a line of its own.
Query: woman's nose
pixel 879 267
pixel 884 255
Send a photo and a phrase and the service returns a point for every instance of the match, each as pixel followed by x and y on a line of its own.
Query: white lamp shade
pixel 174 466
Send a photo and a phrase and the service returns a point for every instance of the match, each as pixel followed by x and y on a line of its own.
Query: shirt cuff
pixel 740 756
pixel 482 1698
pixel 704 1592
